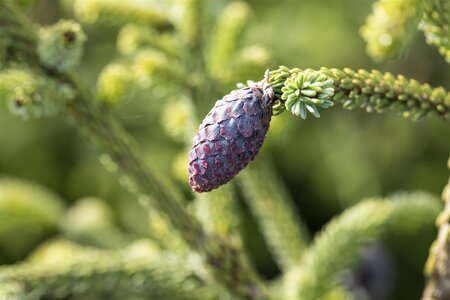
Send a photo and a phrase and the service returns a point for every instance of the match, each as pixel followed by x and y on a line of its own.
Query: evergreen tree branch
pixel 218 213
pixel 75 271
pixel 217 210
pixel 225 261
pixel 90 222
pixel 132 37
pixel 275 212
pixel 28 95
pixel 191 24
pixel 390 27
pixel 372 91
pixel 247 63
pixel 147 63
pixel 339 245
pixel 15 45
pixel 29 213
pixel 116 12
pixel 119 80
pixel 225 37
pixel 435 24
pixel 437 268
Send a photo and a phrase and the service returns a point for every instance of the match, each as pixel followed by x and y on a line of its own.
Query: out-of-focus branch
pixel 372 91
pixel 70 270
pixel 225 261
pixel 274 210
pixel 338 246
pixel 437 268
pixel 436 26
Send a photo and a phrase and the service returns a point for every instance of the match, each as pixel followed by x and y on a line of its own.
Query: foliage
pixel 391 27
pixel 173 59
pixel 435 26
pixel 29 213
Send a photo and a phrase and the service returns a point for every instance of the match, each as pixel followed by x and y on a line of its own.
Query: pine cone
pixel 230 136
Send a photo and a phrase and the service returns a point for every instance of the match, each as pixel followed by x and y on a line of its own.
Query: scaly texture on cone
pixel 230 136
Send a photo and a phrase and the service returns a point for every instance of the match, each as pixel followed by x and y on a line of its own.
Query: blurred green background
pixel 328 164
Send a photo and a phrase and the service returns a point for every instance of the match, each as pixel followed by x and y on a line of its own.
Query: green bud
pixel 114 83
pixel 176 118
pixel 30 95
pixel 60 46
pixel 304 90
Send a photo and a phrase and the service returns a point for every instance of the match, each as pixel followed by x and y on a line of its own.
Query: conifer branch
pixel 90 222
pixel 437 268
pixel 217 210
pixel 225 261
pixel 116 12
pixel 300 91
pixel 275 212
pixel 390 27
pixel 225 37
pixel 119 80
pixel 372 91
pixel 191 24
pixel 75 271
pixel 15 44
pixel 338 246
pixel 247 63
pixel 132 37
pixel 435 24
pixel 29 213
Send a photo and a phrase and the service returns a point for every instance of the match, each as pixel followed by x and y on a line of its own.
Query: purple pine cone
pixel 230 136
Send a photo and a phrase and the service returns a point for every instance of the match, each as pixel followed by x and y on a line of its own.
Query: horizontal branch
pixel 372 91
pixel 116 12
pixel 104 274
